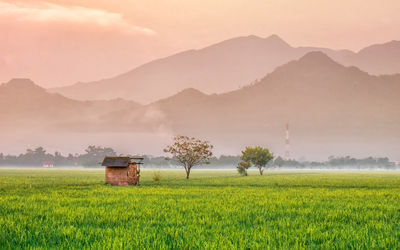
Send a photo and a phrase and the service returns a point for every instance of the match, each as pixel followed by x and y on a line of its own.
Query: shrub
pixel 156 176
pixel 242 167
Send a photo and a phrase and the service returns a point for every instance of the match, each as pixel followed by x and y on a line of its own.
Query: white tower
pixel 287 143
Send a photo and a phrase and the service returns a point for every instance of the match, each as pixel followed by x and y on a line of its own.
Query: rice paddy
pixel 56 208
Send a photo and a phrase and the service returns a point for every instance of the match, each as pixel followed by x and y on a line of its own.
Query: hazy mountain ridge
pixel 324 102
pixel 223 67
pixel 378 59
pixel 25 104
pixel 21 98
pixel 315 78
pixel 321 99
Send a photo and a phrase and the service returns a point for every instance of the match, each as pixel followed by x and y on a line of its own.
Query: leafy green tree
pixel 257 156
pixel 40 152
pixel 242 167
pixel 33 157
pixel 279 161
pixel 190 152
pixel 94 154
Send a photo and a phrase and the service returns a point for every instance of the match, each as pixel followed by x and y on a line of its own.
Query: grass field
pixel 213 210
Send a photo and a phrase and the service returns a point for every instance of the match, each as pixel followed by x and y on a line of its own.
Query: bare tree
pixel 190 152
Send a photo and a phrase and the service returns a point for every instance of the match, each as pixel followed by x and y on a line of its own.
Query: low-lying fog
pixel 303 149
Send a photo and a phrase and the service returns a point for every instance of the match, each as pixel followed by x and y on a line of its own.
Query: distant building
pixel 48 164
pixel 122 171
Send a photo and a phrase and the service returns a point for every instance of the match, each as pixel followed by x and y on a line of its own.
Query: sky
pixel 61 42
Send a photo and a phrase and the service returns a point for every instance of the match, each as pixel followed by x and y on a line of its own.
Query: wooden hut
pixel 122 171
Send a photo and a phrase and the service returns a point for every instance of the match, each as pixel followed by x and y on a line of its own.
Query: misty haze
pixel 199 124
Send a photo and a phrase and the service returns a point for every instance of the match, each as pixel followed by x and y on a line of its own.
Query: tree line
pixel 93 154
pixel 39 156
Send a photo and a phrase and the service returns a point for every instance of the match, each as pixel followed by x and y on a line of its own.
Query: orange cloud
pixel 48 12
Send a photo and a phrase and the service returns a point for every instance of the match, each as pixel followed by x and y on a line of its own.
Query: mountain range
pixel 223 67
pixel 331 109
pixel 23 104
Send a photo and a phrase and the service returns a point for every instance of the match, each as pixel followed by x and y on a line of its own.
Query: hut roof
pixel 116 161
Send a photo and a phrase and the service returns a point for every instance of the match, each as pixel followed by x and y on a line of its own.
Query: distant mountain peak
pixel 274 36
pixel 253 37
pixel 21 81
pixel 392 45
pixel 186 95
pixel 311 62
pixel 316 57
pixel 275 39
pixel 22 84
pixel 191 92
pixel 236 41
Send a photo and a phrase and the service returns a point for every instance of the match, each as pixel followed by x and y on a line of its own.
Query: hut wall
pixel 117 176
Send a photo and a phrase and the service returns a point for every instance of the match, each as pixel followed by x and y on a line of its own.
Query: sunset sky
pixel 61 42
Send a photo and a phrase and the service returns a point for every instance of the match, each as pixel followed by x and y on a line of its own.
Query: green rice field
pixel 59 209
